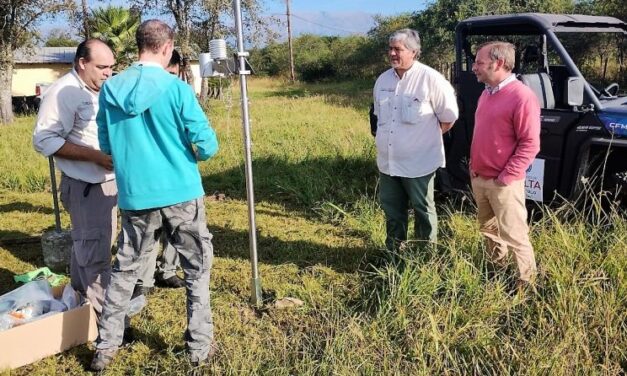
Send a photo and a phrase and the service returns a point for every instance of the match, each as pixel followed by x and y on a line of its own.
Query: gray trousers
pixel 93 212
pixel 396 194
pixel 164 265
pixel 186 228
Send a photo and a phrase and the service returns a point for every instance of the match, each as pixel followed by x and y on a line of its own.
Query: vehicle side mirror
pixel 574 91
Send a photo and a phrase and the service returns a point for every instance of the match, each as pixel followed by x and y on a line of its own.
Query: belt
pixel 88 188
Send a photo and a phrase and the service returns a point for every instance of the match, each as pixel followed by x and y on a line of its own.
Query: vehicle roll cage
pixel 545 25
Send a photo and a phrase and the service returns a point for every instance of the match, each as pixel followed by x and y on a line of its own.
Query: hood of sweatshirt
pixel 137 88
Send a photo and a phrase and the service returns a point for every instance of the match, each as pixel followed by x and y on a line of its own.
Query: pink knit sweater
pixel 506 138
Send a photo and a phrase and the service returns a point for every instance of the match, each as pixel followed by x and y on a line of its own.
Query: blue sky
pixel 323 17
pixel 338 17
pixel 368 6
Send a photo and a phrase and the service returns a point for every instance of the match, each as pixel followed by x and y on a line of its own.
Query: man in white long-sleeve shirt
pixel 414 105
pixel 66 129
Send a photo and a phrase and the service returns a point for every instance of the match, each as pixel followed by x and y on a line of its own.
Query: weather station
pixel 215 66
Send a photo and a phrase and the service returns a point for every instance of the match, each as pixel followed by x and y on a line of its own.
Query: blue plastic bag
pixel 32 301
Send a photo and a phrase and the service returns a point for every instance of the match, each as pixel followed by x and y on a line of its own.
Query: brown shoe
pixel 522 287
pixel 495 270
pixel 213 348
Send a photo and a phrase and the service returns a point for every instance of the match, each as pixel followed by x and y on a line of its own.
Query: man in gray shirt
pixel 66 129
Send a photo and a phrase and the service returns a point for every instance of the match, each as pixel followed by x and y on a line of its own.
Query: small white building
pixel 44 65
pixel 41 65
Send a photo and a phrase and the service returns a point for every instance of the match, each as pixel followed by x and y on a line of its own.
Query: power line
pixel 319 24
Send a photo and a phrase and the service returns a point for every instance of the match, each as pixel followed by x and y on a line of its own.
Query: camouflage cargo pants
pixel 186 228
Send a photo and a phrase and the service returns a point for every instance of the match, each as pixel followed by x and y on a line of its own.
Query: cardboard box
pixel 38 339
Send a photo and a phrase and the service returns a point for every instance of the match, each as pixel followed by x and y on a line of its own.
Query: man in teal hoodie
pixel 153 127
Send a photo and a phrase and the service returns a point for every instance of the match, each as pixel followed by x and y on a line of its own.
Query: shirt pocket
pixel 85 114
pixel 385 110
pixel 414 107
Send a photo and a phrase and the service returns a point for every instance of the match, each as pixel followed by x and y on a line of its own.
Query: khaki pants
pixel 503 221
pixel 93 212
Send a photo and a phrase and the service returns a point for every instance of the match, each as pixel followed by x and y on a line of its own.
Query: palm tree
pixel 85 18
pixel 116 26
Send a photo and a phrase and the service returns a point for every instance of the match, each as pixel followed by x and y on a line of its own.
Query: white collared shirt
pixel 68 113
pixel 501 85
pixel 409 111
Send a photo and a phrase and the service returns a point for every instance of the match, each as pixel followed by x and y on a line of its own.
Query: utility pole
pixel 289 41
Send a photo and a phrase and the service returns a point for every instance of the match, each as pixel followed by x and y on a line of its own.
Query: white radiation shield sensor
pixel 217 48
pixel 206 65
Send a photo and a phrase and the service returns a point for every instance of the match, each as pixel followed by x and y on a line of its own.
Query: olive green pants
pixel 396 195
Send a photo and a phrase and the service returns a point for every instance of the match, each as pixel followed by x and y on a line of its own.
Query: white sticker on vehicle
pixel 534 181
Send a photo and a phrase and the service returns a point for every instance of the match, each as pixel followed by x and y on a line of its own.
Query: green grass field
pixel 320 235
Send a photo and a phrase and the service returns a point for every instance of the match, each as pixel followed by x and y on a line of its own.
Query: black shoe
pixel 128 337
pixel 175 282
pixel 140 290
pixel 201 363
pixel 101 359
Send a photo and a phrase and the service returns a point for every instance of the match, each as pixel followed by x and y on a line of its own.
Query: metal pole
pixel 252 234
pixel 55 200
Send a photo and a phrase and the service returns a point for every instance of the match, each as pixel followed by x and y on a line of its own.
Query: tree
pixel 199 21
pixel 19 21
pixel 436 23
pixel 257 27
pixel 116 26
pixel 211 23
pixel 313 57
pixel 85 18
pixel 380 34
pixel 60 38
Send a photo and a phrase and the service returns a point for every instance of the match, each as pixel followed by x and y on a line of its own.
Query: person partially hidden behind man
pixel 153 127
pixel 162 271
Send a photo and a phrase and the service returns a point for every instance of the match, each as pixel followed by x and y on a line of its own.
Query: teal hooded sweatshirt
pixel 151 124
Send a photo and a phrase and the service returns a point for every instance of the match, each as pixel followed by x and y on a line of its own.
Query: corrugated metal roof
pixel 45 55
pixel 54 55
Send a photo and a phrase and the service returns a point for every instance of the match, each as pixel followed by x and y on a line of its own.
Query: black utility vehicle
pixel 574 64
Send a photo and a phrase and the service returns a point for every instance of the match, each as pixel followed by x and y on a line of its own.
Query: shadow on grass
pixel 24 207
pixel 6 281
pixel 301 185
pixel 272 250
pixel 23 246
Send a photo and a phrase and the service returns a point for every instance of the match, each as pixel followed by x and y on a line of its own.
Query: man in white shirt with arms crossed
pixel 414 105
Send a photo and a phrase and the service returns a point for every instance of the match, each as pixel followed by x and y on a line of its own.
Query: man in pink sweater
pixel 506 139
